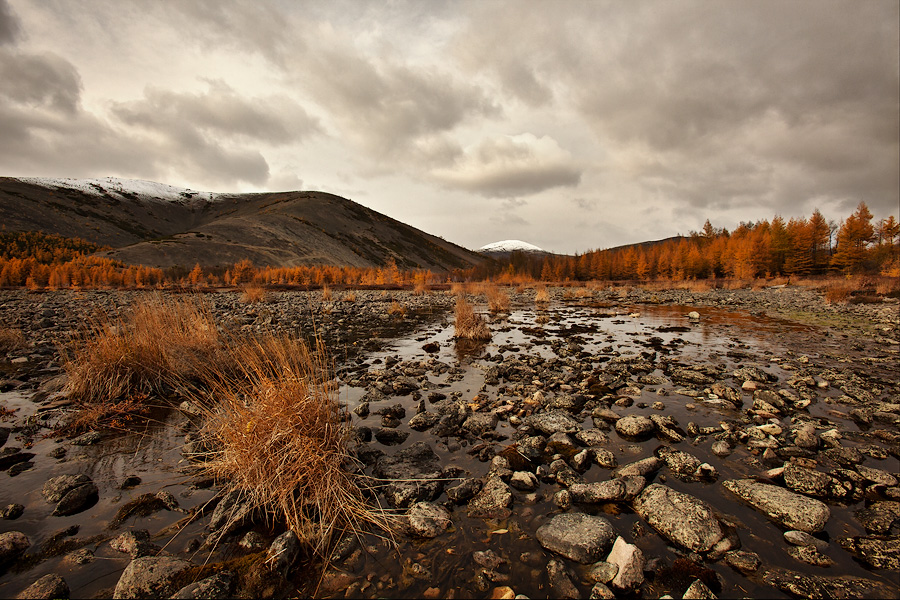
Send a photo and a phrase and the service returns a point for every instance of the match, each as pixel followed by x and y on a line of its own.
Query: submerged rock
pixel 413 473
pixel 577 536
pixel 785 507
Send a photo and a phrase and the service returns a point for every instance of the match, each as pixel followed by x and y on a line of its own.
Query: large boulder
pixel 151 577
pixel 681 518
pixel 577 536
pixel 414 475
pixel 791 510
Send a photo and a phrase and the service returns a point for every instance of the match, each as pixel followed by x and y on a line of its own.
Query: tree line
pixel 812 246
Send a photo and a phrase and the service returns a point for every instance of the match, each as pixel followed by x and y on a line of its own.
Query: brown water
pixel 444 565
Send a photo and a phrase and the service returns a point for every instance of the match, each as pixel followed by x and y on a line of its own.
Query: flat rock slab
pixel 681 518
pixel 577 536
pixel 790 510
pixel 151 577
pixel 413 473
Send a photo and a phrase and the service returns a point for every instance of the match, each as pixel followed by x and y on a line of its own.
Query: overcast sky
pixel 570 125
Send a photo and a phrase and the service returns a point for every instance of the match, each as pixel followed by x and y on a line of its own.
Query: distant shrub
pixel 469 325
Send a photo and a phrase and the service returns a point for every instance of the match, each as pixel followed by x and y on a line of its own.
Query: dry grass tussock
pixel 838 292
pixel 167 343
pixel 285 441
pixel 498 300
pixel 349 297
pixel 541 296
pixel 326 293
pixel 253 294
pixel 396 309
pixel 470 325
pixel 10 339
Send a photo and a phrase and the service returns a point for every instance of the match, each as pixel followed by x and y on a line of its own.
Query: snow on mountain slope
pixel 122 188
pixel 510 246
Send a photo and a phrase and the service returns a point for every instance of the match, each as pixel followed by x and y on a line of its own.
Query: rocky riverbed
pixel 614 442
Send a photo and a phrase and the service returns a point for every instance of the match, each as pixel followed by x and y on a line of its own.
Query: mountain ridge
pixel 163 226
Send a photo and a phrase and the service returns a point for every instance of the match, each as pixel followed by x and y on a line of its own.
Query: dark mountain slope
pixel 181 227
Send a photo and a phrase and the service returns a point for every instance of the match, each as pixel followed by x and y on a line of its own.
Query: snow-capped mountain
pixel 510 246
pixel 121 188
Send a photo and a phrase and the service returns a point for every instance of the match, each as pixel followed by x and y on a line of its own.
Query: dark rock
pixel 561 585
pixel 77 500
pixel 10 456
pixel 465 491
pixel 424 421
pixel 817 586
pixel 413 475
pixel 57 487
pixel 390 436
pixel 88 439
pixel 12 544
pixel 479 423
pixel 745 563
pixel 220 585
pixel 785 507
pixel 532 447
pixel 577 536
pixel 47 587
pixel 151 577
pixel 283 553
pixel 12 511
pixel 879 553
pixel 604 458
pixel 880 517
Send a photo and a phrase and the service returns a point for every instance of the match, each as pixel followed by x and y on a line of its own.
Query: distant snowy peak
pixel 510 246
pixel 123 189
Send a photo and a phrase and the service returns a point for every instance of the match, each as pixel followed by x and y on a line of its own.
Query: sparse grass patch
pixel 11 339
pixel 498 300
pixel 285 440
pixel 583 293
pixel 469 325
pixel 253 294
pixel 838 292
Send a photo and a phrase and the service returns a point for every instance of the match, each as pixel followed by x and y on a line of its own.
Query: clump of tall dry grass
pixel 396 309
pixel 541 296
pixel 10 339
pixel 498 300
pixel 838 292
pixel 326 293
pixel 165 343
pixel 253 294
pixel 349 297
pixel 469 325
pixel 284 440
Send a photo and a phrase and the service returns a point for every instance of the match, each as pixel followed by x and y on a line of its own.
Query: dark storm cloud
pixel 39 80
pixel 220 111
pixel 9 24
pixel 506 167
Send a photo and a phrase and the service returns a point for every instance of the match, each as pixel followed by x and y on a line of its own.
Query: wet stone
pixel 814 483
pixel 601 591
pixel 77 500
pixel 391 436
pixel 577 536
pixel 135 543
pixel 877 552
pixel 524 481
pixel 682 519
pixel 12 544
pixel 151 577
pixel 57 487
pixel 785 507
pixel 744 562
pixel 630 562
pixel 465 491
pixel 219 585
pixel 493 501
pixel 561 585
pixel 801 538
pixel 698 591
pixel 562 443
pixel 881 517
pixel 635 426
pixel 810 556
pixel 597 492
pixel 427 520
pixel 602 572
pixel 12 512
pixel 413 475
pixel 876 475
pixel 480 423
pixel 604 458
pixel 816 586
pixel 592 437
pixel 643 467
pixel 47 587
